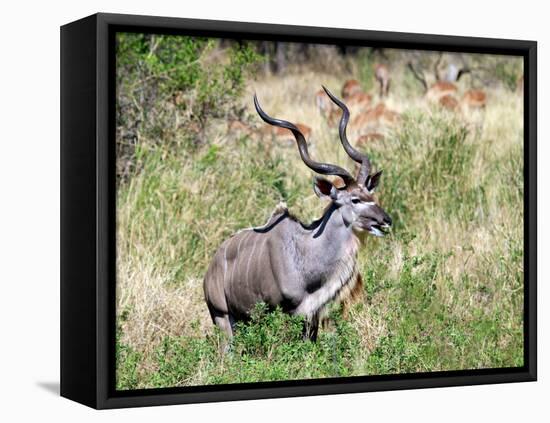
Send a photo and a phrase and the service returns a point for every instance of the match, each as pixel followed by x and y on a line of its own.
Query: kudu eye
pixel 355 200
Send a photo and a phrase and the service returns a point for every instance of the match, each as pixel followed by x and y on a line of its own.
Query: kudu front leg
pixel 311 328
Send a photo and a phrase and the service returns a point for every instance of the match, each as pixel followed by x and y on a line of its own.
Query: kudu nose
pixel 387 220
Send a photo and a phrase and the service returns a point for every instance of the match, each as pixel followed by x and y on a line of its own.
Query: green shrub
pixel 168 89
pixel 269 347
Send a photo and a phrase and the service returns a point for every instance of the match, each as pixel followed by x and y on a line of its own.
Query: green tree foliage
pixel 170 87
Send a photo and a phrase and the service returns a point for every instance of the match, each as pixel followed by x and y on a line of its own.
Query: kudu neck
pixel 329 242
pixel 332 225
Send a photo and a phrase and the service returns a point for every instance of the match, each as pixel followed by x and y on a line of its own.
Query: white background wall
pixel 29 209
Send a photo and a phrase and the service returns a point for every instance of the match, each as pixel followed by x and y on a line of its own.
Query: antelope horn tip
pixel 327 91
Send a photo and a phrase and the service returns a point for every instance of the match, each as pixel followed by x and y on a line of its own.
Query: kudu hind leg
pixel 224 323
pixel 222 320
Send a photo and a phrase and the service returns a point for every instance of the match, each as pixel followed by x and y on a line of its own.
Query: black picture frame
pixel 88 211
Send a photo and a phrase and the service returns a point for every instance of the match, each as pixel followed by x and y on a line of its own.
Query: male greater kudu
pixel 299 267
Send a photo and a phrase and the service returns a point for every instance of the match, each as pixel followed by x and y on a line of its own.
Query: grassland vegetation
pixel 443 292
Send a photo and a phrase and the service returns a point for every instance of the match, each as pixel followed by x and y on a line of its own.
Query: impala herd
pixel 371 116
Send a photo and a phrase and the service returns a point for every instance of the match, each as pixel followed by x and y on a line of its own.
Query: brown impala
pixel 298 266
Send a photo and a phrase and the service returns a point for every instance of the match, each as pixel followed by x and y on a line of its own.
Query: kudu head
pixel 359 208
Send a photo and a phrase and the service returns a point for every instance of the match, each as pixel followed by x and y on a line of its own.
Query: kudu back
pixel 300 267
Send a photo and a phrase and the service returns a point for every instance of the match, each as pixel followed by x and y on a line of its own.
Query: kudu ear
pixel 373 180
pixel 325 189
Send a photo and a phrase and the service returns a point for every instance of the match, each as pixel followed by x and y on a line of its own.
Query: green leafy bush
pixel 170 87
pixel 269 347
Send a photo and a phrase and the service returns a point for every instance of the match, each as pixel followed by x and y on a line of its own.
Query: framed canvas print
pixel 257 211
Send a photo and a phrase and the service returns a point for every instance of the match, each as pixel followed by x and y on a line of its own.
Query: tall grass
pixel 442 292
